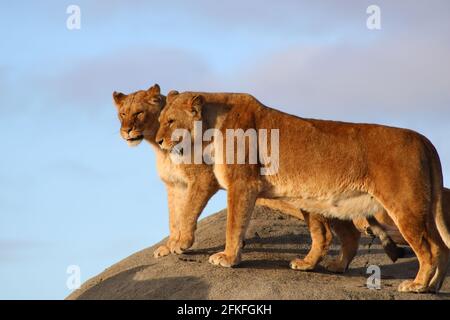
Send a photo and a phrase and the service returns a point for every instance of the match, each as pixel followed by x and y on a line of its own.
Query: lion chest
pixel 168 172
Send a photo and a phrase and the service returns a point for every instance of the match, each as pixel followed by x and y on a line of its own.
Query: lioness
pixel 189 187
pixel 335 169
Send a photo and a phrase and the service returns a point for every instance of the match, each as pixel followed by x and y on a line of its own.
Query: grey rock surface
pixel 273 239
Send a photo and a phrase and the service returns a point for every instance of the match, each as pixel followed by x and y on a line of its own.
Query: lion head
pixel 138 114
pixel 181 112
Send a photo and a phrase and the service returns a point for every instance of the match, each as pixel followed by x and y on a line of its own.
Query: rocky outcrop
pixel 273 239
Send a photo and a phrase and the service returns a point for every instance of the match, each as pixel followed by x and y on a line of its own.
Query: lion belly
pixel 346 206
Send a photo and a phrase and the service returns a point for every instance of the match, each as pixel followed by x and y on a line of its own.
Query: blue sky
pixel 72 192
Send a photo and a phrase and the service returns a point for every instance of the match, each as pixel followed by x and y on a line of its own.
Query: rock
pixel 263 274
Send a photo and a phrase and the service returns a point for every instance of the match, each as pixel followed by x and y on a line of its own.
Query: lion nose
pixel 126 130
pixel 160 142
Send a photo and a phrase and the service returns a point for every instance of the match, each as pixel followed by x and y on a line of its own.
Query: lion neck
pixel 150 134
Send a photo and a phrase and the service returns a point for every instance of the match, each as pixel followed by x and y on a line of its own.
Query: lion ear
pixel 171 95
pixel 196 104
pixel 155 89
pixel 118 97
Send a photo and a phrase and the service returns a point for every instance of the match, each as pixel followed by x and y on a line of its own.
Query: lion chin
pixel 134 142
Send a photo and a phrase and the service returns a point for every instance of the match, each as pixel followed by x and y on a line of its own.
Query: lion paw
pixel 180 245
pixel 411 286
pixel 336 266
pixel 161 251
pixel 301 264
pixel 224 260
pixel 175 248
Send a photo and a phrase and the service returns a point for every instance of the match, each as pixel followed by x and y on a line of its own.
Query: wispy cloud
pixel 90 82
pixel 398 69
pixel 13 250
pixel 392 76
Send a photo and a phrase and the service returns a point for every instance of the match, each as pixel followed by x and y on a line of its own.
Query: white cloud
pixel 391 75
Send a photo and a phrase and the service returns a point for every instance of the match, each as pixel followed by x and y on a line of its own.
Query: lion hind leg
pixel 416 234
pixel 321 237
pixel 349 237
pixel 441 270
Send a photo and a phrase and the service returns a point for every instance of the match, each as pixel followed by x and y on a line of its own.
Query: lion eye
pixel 122 115
pixel 138 113
pixel 155 100
pixel 171 121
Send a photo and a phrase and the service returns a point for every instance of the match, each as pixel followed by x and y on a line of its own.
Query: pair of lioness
pixel 341 171
pixel 190 186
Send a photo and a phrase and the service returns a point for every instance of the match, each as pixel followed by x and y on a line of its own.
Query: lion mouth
pixel 138 138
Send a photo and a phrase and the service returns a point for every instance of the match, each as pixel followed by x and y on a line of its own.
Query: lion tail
pixel 441 222
pixel 440 218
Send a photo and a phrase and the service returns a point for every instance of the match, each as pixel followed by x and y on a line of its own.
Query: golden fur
pixel 189 187
pixel 334 169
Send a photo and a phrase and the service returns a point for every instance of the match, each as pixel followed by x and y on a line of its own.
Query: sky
pixel 73 193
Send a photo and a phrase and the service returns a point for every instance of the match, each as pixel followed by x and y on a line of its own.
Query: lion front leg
pixel 173 196
pixel 185 206
pixel 195 198
pixel 241 202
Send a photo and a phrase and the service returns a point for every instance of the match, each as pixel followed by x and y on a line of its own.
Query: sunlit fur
pixel 322 162
pixel 189 188
pixel 138 114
